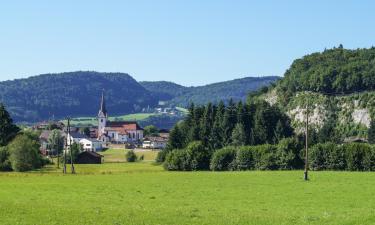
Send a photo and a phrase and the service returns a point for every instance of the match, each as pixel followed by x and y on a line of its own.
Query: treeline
pixel 336 70
pixel 212 127
pixel 19 150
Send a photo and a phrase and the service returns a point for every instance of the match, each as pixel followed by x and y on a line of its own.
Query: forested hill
pixel 336 70
pixel 78 94
pixel 75 94
pixel 338 87
pixel 234 89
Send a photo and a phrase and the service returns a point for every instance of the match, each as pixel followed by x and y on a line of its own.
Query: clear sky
pixel 189 42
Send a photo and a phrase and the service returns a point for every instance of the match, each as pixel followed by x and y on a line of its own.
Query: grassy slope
pixel 142 193
pixel 128 117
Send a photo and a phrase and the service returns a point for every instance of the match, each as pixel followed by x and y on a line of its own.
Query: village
pixel 107 135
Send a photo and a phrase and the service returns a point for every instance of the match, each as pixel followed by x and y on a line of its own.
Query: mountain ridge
pixel 59 95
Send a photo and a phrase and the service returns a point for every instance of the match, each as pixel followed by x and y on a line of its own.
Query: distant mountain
pixel 75 94
pixel 78 94
pixel 236 89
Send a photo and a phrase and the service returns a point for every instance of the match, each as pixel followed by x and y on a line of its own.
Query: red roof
pixel 127 125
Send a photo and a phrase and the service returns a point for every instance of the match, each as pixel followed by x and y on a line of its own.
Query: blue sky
pixel 188 42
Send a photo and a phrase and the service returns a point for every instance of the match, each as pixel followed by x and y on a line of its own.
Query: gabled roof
pixel 78 135
pixel 127 125
pixel 91 153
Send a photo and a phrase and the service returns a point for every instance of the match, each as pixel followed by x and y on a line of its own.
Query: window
pixel 101 120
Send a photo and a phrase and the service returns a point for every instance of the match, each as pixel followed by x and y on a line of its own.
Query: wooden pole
pixel 307 143
pixel 70 151
pixel 67 136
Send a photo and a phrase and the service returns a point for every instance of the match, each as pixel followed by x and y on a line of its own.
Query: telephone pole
pixel 66 148
pixel 307 143
pixel 70 150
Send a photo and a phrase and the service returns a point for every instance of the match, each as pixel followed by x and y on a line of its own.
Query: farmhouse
pixel 155 142
pixel 118 131
pixel 91 145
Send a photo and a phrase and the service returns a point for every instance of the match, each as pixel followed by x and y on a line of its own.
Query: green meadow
pixel 143 193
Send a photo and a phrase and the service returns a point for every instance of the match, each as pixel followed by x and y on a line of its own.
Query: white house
pixel 91 145
pixel 155 143
pixel 75 137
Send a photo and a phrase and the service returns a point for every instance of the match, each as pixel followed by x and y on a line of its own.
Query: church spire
pixel 103 108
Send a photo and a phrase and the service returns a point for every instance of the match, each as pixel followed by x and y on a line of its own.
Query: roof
pixel 156 139
pixel 45 135
pixel 91 154
pixel 78 135
pixel 91 139
pixel 103 109
pixel 127 125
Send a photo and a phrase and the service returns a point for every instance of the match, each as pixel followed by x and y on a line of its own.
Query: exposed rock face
pixel 361 116
pixel 316 115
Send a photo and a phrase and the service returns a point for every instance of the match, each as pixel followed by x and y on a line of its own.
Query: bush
pixel 319 156
pixel 177 159
pixel 4 160
pixel 24 154
pixel 289 154
pixel 223 159
pixel 160 157
pixel 131 156
pixel 355 154
pixel 198 156
pixel 245 158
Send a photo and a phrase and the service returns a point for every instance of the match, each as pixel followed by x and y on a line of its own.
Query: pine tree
pixel 206 125
pixel 229 121
pixel 371 132
pixel 7 129
pixel 238 135
pixel 279 132
pixel 175 138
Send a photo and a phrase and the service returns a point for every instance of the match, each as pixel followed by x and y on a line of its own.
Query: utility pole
pixel 307 143
pixel 67 136
pixel 70 150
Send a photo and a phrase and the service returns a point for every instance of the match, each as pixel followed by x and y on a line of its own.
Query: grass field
pixel 143 193
pixel 118 155
pixel 93 120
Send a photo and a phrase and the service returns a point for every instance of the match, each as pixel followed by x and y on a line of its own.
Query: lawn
pixel 143 193
pixel 118 155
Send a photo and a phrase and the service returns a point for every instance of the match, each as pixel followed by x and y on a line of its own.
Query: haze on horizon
pixel 190 43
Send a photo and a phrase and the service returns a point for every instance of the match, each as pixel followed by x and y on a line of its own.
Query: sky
pixel 191 42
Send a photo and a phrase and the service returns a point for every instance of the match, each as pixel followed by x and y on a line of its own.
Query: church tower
pixel 102 117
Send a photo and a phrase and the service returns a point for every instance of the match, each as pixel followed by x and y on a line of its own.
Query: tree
pixel 76 149
pixel 150 130
pixel 371 132
pixel 24 154
pixel 85 131
pixel 131 156
pixel 7 129
pixel 56 144
pixel 175 138
pixel 5 164
pixel 238 135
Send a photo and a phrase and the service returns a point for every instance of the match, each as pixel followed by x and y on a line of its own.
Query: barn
pixel 88 157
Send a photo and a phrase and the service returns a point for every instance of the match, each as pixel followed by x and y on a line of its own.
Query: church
pixel 117 131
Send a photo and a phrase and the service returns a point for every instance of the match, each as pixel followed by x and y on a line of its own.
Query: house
pixel 117 131
pixel 155 142
pixel 88 157
pixel 75 137
pixel 92 145
pixel 43 140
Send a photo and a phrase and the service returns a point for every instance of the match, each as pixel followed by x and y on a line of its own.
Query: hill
pixel 236 89
pixel 75 93
pixel 337 86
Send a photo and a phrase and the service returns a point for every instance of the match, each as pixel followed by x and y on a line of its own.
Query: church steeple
pixel 102 117
pixel 103 109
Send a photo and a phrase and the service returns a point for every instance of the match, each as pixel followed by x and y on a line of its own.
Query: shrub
pixel 355 154
pixel 160 158
pixel 245 158
pixel 4 160
pixel 177 159
pixel 131 156
pixel 223 159
pixel 24 154
pixel 319 156
pixel 289 154
pixel 265 157
pixel 198 156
